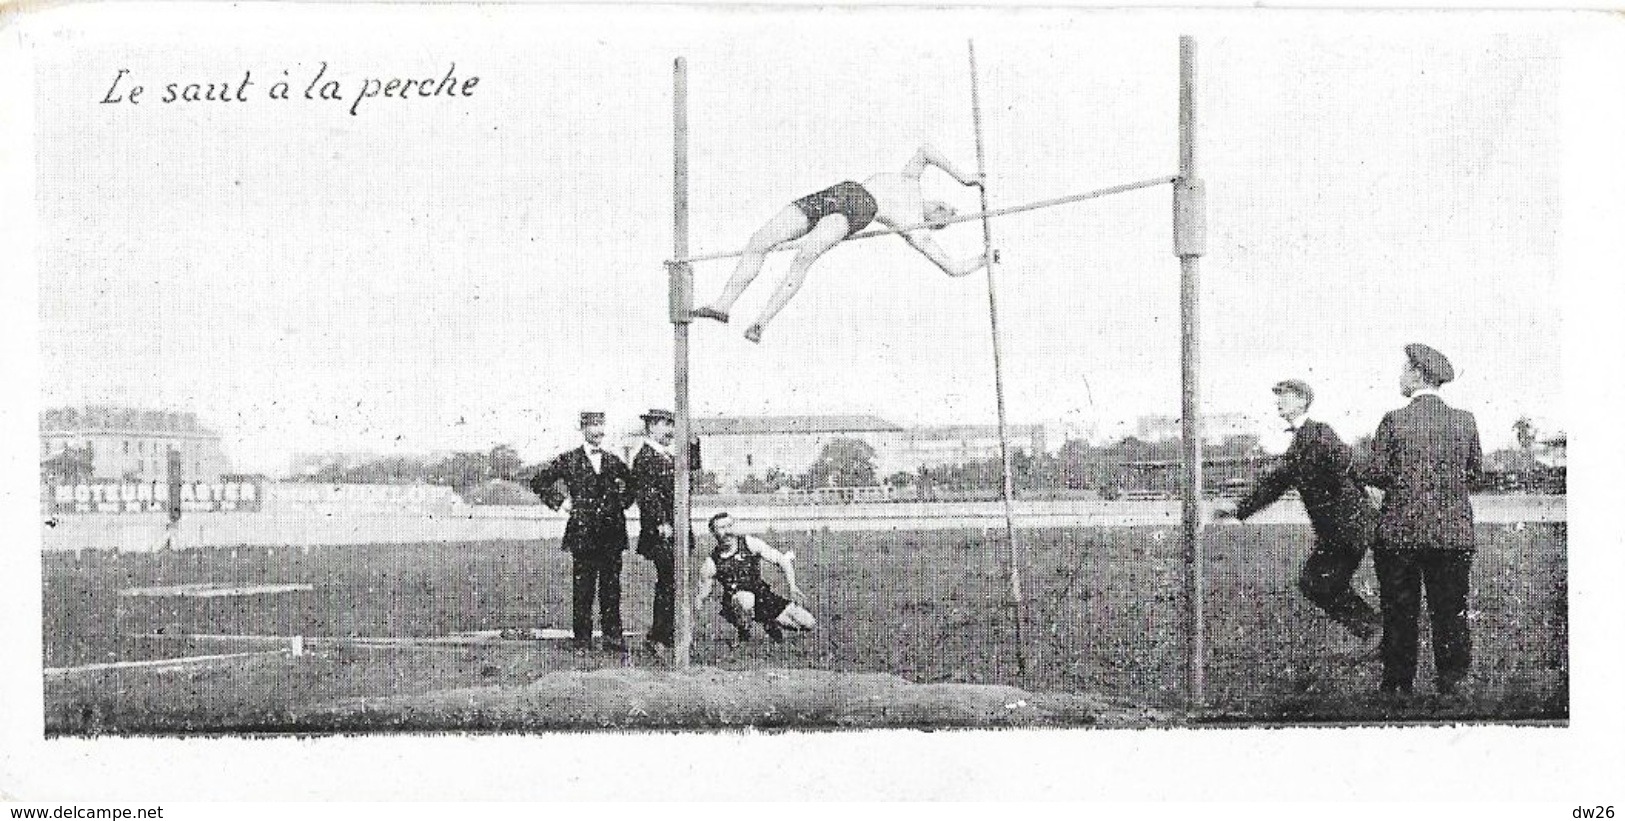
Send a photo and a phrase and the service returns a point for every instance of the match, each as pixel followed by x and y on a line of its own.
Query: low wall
pixel 1081 513
pixel 307 523
pixel 424 499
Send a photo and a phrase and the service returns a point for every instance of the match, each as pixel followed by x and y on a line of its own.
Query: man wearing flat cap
pixel 1425 457
pixel 601 489
pixel 1320 467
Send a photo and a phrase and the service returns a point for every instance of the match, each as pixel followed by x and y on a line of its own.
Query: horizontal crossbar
pixel 997 212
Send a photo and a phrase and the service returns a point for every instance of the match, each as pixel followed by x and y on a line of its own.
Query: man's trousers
pixel 596 572
pixel 1402 576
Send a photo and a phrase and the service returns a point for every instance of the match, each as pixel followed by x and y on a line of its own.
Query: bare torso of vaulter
pixel 898 197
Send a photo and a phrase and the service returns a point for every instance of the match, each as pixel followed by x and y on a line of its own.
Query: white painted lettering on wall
pixel 153 497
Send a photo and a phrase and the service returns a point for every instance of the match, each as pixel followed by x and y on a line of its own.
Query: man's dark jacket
pixel 1319 466
pixel 654 475
pixel 1426 458
pixel 598 500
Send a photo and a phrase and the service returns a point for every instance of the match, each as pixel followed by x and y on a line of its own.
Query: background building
pixel 307 464
pixel 133 443
pixel 1216 427
pixel 735 447
pixel 1553 452
pixel 941 446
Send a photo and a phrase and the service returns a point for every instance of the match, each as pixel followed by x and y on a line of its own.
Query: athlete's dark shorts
pixel 846 198
pixel 768 604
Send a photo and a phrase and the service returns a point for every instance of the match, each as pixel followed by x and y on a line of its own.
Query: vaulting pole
pixel 998 379
pixel 682 301
pixel 1190 241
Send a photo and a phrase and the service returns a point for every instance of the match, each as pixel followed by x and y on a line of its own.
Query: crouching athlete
pixel 736 564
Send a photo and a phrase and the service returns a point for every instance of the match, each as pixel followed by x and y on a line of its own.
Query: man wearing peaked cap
pixel 655 476
pixel 600 489
pixel 653 472
pixel 1426 458
pixel 1319 466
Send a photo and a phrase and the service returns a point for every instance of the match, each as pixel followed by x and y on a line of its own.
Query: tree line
pixel 1130 464
pixel 496 476
pixel 500 476
pixel 1078 465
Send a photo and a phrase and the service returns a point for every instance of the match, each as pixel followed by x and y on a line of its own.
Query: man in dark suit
pixel 1319 466
pixel 655 477
pixel 601 489
pixel 1424 457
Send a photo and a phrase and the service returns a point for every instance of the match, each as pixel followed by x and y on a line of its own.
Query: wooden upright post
pixel 998 378
pixel 682 301
pixel 1189 245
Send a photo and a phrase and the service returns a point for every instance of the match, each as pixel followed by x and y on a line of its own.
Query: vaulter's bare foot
pixel 708 312
pixel 754 333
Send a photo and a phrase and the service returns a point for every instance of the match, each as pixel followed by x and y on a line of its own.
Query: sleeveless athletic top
pixel 741 571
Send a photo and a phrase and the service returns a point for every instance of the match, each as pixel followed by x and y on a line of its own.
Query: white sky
pixel 455 273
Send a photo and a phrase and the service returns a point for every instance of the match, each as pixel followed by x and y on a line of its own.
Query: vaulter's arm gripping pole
pixel 1190 242
pixel 998 377
pixel 682 301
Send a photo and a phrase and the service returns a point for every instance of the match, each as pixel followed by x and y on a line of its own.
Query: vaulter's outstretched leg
pixel 787 225
pixel 826 235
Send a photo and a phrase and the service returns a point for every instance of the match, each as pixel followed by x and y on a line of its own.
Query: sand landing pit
pixel 710 698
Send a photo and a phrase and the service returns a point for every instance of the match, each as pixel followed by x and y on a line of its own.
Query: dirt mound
pixel 703 697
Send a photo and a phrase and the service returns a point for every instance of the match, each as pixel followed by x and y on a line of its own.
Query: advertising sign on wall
pixel 154 497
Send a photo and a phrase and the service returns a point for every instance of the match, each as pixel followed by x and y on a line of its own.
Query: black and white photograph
pixel 811 377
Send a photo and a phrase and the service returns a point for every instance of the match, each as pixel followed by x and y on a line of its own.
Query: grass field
pixel 1104 620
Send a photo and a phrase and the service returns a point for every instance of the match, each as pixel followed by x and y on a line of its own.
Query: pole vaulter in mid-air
pixel 823 219
pixel 840 213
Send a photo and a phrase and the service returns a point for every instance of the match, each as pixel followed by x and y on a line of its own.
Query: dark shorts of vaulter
pixel 768 604
pixel 848 199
